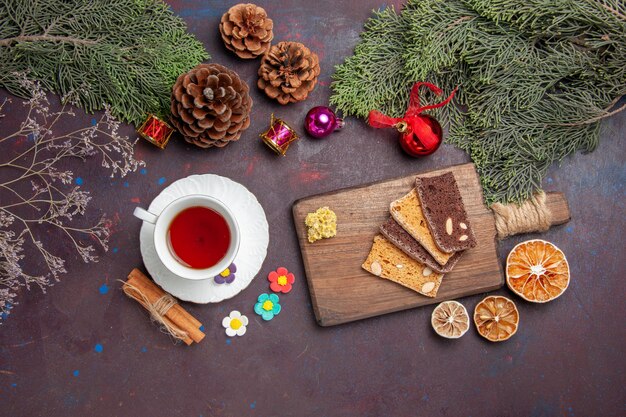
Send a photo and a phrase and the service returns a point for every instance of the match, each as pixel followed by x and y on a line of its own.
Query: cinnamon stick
pixel 147 282
pixel 176 315
pixel 132 290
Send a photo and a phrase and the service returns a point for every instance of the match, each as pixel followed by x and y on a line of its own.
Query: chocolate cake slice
pixel 405 242
pixel 445 213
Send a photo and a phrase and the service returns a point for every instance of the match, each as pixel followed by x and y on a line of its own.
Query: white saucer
pixel 254 239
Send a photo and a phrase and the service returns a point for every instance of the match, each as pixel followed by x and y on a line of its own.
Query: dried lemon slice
pixel 450 319
pixel 496 318
pixel 537 271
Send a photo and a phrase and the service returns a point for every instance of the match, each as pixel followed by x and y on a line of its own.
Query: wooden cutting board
pixel 341 291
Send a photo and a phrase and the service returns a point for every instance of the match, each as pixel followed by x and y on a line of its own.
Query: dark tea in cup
pixel 198 237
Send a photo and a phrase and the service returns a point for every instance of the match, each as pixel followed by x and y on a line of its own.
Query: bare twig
pixel 52 203
pixel 600 117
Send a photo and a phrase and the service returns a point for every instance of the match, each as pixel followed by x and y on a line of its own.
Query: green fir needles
pixel 125 53
pixel 535 77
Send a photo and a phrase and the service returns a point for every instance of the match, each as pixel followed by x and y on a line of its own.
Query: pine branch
pixel 598 118
pixel 535 78
pixel 45 38
pixel 126 53
pixel 374 78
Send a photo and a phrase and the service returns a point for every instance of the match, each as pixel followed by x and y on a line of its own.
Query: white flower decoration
pixel 235 324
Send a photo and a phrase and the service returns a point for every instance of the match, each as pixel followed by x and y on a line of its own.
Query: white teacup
pixel 162 224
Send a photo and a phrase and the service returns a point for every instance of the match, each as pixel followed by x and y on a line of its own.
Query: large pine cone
pixel 210 105
pixel 288 72
pixel 246 30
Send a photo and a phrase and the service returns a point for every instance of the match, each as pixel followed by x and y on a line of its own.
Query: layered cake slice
pixel 444 211
pixel 408 213
pixel 387 261
pixel 405 242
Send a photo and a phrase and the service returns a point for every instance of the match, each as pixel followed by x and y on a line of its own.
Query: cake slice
pixel 394 233
pixel 443 208
pixel 387 261
pixel 408 213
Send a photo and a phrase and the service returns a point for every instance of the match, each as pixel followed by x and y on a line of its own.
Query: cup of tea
pixel 196 236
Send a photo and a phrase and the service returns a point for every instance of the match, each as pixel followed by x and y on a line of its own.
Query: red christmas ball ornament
pixel 423 138
pixel 420 134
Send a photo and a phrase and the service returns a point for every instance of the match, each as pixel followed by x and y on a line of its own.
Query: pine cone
pixel 246 30
pixel 210 105
pixel 288 72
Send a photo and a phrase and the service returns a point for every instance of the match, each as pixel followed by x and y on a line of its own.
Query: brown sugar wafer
pixel 388 262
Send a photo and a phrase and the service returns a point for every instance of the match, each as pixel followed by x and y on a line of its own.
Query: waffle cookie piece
pixel 389 262
pixel 443 208
pixel 394 233
pixel 408 213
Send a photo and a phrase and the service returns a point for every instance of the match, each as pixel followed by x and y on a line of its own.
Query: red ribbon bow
pixel 411 120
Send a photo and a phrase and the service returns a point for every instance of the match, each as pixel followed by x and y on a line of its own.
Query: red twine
pixel 411 120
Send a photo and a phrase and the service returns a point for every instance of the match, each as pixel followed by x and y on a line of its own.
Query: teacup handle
pixel 145 215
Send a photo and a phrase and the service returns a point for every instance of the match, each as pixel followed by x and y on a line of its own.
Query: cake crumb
pixel 322 224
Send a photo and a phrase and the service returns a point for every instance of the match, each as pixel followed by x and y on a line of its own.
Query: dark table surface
pixel 567 359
